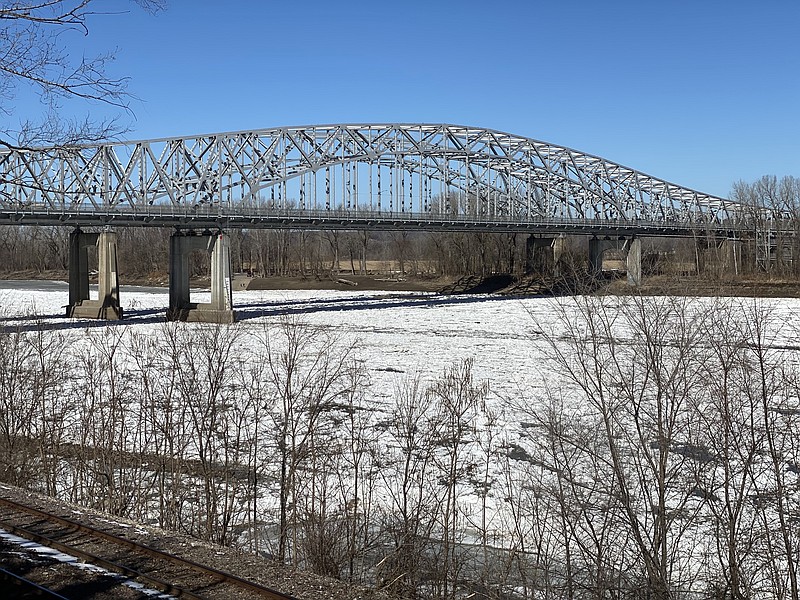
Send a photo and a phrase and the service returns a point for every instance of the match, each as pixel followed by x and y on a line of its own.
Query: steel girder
pixel 355 175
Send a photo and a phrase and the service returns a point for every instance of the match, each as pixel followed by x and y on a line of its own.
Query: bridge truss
pixel 357 176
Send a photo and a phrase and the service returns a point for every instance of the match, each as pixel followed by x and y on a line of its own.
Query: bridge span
pixel 431 177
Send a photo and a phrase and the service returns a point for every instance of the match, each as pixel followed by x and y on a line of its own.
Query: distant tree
pixel 773 207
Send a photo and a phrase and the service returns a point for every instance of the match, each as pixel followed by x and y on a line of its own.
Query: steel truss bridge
pixel 355 176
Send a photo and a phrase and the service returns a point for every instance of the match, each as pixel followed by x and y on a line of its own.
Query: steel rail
pixel 24 582
pixel 74 526
pixel 99 561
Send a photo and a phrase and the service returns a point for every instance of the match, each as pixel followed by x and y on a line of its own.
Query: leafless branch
pixel 33 55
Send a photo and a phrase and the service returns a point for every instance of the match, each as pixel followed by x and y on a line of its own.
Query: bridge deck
pixel 213 218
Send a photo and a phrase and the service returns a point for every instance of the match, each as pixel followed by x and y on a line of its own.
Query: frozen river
pixel 413 333
pixel 398 333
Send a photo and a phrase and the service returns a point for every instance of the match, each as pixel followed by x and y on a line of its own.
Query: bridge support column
pixel 538 255
pixel 597 248
pixel 701 250
pixel 543 255
pixel 181 308
pixel 633 261
pixel 107 304
pixel 559 250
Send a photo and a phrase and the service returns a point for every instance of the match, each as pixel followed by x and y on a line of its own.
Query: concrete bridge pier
pixel 543 255
pixel 598 247
pixel 181 308
pixel 106 306
pixel 633 261
pixel 632 247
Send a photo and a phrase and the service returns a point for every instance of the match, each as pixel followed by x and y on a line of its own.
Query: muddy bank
pixel 345 282
pixel 696 286
pixel 471 284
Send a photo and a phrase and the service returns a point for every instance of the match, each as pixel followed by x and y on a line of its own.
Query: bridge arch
pixel 393 175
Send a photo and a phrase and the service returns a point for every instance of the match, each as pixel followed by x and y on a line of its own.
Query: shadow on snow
pixel 254 310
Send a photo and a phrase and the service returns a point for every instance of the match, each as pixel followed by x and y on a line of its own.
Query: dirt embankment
pixel 31 275
pixel 346 282
pixel 472 284
pixel 698 286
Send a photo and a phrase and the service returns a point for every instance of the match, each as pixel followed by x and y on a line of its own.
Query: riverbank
pixel 661 285
pixel 664 285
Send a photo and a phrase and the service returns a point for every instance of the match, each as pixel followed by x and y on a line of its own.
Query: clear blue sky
pixel 702 93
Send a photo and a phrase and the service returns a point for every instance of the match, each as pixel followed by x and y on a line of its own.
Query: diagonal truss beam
pixel 438 173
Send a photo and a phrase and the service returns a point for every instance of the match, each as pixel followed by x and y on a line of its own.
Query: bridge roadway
pixel 428 177
pixel 223 218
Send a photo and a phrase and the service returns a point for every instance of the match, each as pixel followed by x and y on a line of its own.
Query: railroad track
pixel 25 588
pixel 175 576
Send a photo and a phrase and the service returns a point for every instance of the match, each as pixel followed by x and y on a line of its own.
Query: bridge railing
pixel 239 216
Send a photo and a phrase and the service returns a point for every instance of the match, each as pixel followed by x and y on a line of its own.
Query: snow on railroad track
pixel 85 579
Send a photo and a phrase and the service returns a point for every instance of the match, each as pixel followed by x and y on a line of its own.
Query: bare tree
pixel 772 206
pixel 456 398
pixel 34 56
pixel 307 371
pixel 413 501
pixel 725 441
pixel 635 365
pixel 778 408
pixel 204 380
pixel 55 398
pixel 18 407
pixel 354 472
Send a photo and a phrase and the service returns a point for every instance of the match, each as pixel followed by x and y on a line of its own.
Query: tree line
pixel 775 213
pixel 771 204
pixel 144 252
